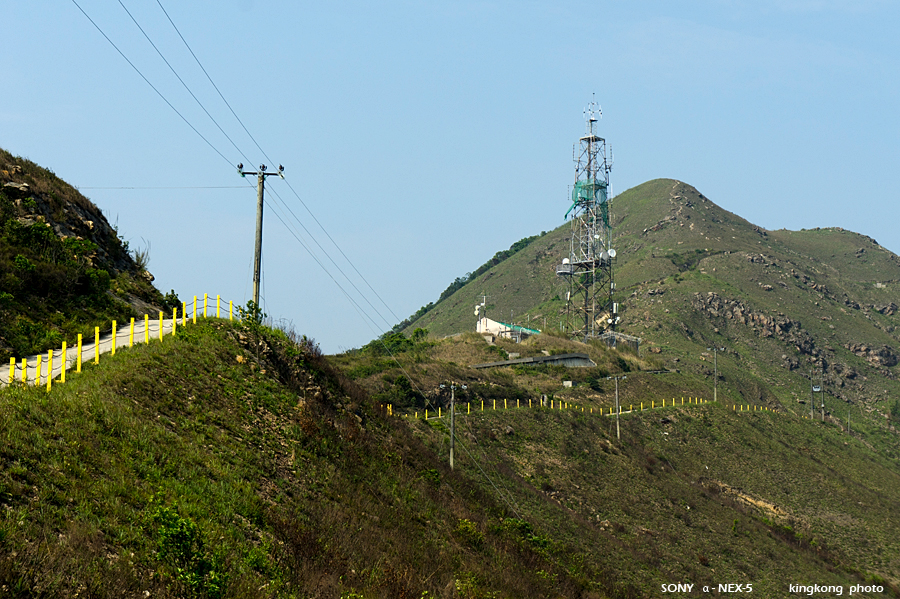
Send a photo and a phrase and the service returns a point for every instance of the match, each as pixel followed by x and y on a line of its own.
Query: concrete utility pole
pixel 452 418
pixel 260 189
pixel 715 350
pixel 822 387
pixel 618 436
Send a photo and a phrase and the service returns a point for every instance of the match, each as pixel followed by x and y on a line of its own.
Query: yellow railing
pixel 75 355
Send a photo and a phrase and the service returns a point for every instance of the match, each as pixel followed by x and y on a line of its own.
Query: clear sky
pixel 426 136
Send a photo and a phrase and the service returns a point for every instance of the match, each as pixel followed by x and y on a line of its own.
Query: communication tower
pixel 588 269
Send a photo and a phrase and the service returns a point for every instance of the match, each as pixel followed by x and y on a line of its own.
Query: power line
pixel 159 93
pixel 171 187
pixel 291 187
pixel 365 317
pixel 213 82
pixel 174 72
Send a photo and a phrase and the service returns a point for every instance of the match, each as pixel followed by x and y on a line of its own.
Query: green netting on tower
pixel 588 192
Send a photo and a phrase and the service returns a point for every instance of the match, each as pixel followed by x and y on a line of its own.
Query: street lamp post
pixel 715 350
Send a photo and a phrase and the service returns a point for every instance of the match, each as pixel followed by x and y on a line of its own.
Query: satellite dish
pixel 604 255
pixel 612 253
pixel 565 260
pixel 476 312
pixel 596 237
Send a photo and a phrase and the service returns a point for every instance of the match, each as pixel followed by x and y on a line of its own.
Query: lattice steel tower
pixel 589 268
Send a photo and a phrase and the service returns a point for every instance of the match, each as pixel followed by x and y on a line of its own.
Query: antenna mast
pixel 589 267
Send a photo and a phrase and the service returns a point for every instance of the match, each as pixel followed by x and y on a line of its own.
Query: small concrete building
pixel 486 326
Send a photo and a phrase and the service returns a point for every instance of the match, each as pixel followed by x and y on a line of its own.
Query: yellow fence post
pixel 468 408
pixel 529 402
pixel 504 403
pixel 96 345
pixel 160 325
pixel 195 310
pixel 114 338
pixel 517 402
pixel 174 321
pixel 12 370
pixel 62 377
pixel 482 405
pixel 230 310
pixel 24 370
pixel 183 312
pixel 495 404
pixel 78 367
pixel 37 379
pixel 642 406
pixel 426 413
pixel 439 411
pixel 205 303
pixel 652 404
pixel 131 333
pixel 146 328
pixel 218 315
pixel 49 369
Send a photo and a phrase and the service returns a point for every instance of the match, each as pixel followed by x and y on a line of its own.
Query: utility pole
pixel 715 350
pixel 812 394
pixel 618 435
pixel 260 190
pixel 822 387
pixel 452 419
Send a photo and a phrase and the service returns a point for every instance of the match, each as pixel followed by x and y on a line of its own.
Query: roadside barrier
pixel 557 405
pixel 31 370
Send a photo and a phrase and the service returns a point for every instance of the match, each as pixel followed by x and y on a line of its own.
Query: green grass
pixel 177 468
pixel 706 496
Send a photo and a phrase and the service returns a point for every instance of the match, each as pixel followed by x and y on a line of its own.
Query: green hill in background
pixel 691 275
pixel 234 460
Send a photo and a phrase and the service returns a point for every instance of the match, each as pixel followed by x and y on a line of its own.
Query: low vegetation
pixel 54 286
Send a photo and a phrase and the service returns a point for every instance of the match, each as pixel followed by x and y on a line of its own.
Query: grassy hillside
pixel 691 275
pixel 234 460
pixel 220 463
pixel 226 462
pixel 63 268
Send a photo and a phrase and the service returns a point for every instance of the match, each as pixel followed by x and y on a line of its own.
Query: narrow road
pixel 144 331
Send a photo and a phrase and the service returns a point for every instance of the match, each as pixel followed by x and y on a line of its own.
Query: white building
pixel 486 326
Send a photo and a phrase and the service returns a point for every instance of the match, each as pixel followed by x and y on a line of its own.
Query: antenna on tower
pixel 588 269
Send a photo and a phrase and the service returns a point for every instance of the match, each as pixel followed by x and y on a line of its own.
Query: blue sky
pixel 426 136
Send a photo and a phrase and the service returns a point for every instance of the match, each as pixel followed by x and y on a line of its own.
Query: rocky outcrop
pixel 764 325
pixel 881 356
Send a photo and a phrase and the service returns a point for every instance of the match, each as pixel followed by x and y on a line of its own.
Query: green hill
pixel 234 460
pixel 691 275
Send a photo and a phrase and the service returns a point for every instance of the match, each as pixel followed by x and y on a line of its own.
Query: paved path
pixel 89 350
